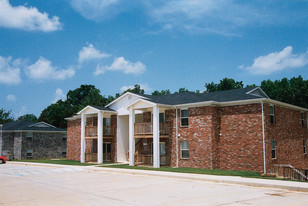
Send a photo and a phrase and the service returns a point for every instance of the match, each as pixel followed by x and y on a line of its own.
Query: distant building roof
pixel 24 125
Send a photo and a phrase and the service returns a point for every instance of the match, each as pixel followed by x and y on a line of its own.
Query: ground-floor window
pixel 184 149
pixel 64 152
pixel 274 144
pixel 29 152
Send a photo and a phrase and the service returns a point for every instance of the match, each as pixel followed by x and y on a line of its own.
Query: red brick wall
pixel 73 139
pixel 241 140
pixel 289 135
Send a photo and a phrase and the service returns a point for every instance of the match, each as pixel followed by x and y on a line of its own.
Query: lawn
pixel 57 161
pixel 192 170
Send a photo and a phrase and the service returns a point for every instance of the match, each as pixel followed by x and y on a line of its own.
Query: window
pixel 64 137
pixel 29 152
pixel 29 136
pixel 162 118
pixel 107 122
pixel 303 119
pixel 184 117
pixel 64 152
pixel 304 146
pixel 272 114
pixel 184 149
pixel 274 143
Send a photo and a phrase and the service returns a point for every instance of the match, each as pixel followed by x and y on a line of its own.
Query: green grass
pixel 193 171
pixel 57 161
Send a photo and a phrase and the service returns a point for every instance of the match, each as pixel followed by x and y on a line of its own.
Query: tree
pixel 293 91
pixel 5 117
pixel 137 90
pixel 76 100
pixel 29 117
pixel 162 92
pixel 225 84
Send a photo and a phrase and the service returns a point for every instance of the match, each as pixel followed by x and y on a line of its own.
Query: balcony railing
pixel 91 131
pixel 147 129
pixel 148 159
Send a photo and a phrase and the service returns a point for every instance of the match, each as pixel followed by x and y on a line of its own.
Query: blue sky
pixel 50 47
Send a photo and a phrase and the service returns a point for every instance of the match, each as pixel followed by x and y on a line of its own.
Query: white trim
pixel 257 88
pixel 34 131
pixel 49 125
pixel 124 95
pixel 97 110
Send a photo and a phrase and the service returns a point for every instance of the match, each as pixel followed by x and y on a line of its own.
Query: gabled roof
pixel 221 96
pixel 96 108
pixel 24 125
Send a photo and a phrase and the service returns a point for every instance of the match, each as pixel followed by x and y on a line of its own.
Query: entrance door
pixel 107 151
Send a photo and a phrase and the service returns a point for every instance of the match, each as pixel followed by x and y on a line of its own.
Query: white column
pixel 82 140
pixel 100 137
pixel 131 136
pixel 156 153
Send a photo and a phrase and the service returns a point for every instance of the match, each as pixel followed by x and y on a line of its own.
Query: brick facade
pixel 223 137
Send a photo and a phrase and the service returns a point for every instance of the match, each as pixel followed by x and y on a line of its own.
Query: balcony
pixel 145 130
pixel 91 132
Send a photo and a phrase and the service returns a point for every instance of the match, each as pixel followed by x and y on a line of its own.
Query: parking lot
pixel 75 185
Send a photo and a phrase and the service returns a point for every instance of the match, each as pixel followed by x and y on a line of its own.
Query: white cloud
pixel 43 70
pixel 145 87
pixel 120 64
pixel 11 98
pixel 199 15
pixel 58 95
pixel 96 9
pixel 29 19
pixel 90 53
pixel 278 61
pixel 9 71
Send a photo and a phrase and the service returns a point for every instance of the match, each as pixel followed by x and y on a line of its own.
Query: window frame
pixel 272 115
pixel 162 116
pixel 303 119
pixel 184 149
pixel 304 146
pixel 29 136
pixel 274 149
pixel 64 152
pixel 181 117
pixel 28 152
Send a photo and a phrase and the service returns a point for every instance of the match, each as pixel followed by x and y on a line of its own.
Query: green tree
pixel 293 91
pixel 5 116
pixel 76 100
pixel 137 90
pixel 162 92
pixel 29 117
pixel 224 84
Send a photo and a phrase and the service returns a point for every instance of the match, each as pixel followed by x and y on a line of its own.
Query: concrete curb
pixel 254 182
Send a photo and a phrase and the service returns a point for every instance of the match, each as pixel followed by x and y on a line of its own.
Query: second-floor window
pixel 304 146
pixel 272 114
pixel 303 119
pixel 184 117
pixel 29 136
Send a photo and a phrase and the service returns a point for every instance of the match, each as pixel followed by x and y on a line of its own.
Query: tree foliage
pixel 29 117
pixel 76 100
pixel 5 116
pixel 137 90
pixel 293 91
pixel 162 92
pixel 225 84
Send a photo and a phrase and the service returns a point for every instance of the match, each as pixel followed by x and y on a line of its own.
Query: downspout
pixel 263 136
pixel 176 137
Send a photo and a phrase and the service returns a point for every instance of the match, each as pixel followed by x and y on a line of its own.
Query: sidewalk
pixel 255 182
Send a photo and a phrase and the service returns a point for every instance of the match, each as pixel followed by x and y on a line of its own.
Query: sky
pixel 50 47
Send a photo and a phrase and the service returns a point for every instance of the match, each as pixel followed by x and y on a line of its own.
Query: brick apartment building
pixel 28 140
pixel 234 130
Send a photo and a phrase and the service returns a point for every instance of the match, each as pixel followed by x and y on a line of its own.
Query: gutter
pixel 263 138
pixel 176 137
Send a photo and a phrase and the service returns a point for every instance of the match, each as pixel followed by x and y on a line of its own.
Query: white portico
pixel 100 127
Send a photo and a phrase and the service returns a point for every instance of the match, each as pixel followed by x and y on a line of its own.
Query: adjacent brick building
pixel 234 130
pixel 28 140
